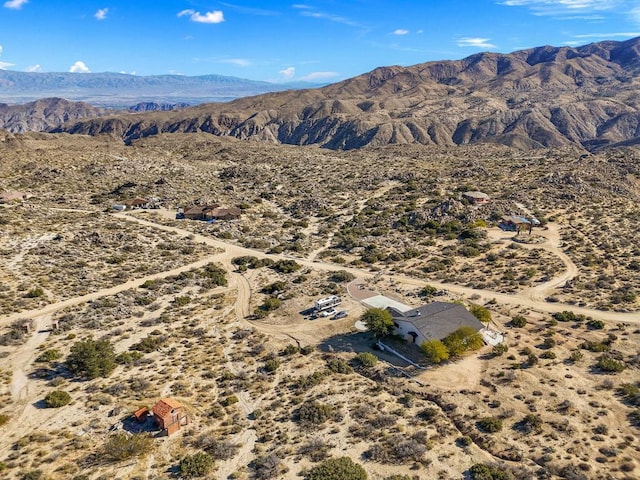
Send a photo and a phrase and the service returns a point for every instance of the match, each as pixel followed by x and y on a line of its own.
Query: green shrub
pixel 518 321
pixel 480 471
pixel 337 469
pixel 127 358
pixel 182 300
pixel 481 313
pixel 366 359
pixel 379 321
pixel 530 423
pixel 271 365
pixel 270 304
pixel 315 413
pixel 230 400
pixel 121 446
pixel 91 359
pixel 337 365
pixel 428 291
pixel 462 340
pixel 609 364
pixel 341 276
pixel 435 351
pixel 286 266
pixel 490 424
pixel 36 292
pixel 568 316
pixel 48 356
pixel 57 398
pixel 196 465
pixel 595 324
pixel 500 349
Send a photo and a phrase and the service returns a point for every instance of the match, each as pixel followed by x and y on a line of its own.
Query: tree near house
pixel 462 340
pixel 378 321
pixel 481 313
pixel 435 351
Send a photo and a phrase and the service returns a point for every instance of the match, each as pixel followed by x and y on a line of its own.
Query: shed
pixel 141 414
pixel 169 415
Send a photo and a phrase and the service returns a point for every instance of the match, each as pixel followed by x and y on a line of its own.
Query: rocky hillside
pixel 43 114
pixel 540 97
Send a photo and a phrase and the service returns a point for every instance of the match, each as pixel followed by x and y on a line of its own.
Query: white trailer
pixel 327 302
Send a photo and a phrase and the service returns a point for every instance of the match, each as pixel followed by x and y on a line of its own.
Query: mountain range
pixel 119 90
pixel 539 97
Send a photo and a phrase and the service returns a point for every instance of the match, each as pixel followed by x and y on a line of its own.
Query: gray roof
pixel 438 319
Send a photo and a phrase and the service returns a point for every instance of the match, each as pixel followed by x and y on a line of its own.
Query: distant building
pixel 169 415
pixel 212 212
pixel 136 203
pixel 432 322
pixel 475 198
pixel 515 223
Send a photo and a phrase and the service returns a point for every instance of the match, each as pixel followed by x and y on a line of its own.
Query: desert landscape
pixel 108 310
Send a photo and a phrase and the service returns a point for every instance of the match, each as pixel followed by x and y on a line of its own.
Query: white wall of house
pixel 405 328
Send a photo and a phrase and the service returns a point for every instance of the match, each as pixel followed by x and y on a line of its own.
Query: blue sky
pixel 318 41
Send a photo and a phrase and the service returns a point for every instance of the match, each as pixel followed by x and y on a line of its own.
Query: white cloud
pixel 34 68
pixel 319 76
pixel 0 49
pixel 288 73
pixel 562 7
pixel 79 67
pixel 101 14
pixel 215 16
pixel 241 62
pixel 400 31
pixel 635 14
pixel 475 42
pixel 609 35
pixel 4 65
pixel 15 4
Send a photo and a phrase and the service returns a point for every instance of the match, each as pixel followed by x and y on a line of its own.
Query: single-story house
pixel 432 322
pixel 8 197
pixel 475 198
pixel 515 223
pixel 136 203
pixel 212 212
pixel 169 415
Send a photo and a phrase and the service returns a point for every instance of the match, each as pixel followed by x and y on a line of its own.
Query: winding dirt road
pixel 530 298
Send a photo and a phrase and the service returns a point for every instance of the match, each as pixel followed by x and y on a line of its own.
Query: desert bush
pixel 4 418
pixel 481 471
pixel 316 449
pixel 428 291
pixel 290 349
pixel 36 292
pixel 274 288
pixel 337 365
pixel 397 449
pixel 271 365
pixel 630 393
pixel 149 344
pixel 366 359
pixel 530 424
pixel 341 276
pixel 490 424
pixel 216 275
pixel 435 351
pixel 595 324
pixel 270 304
pixel 576 356
pixel 316 413
pixel 57 398
pixel 481 313
pixel 266 467
pixel 609 364
pixel 228 401
pixel 127 358
pixel 518 321
pixel 337 469
pixel 196 465
pixel 121 446
pixel 91 359
pixel 548 343
pixel 286 266
pixel 499 349
pixel 568 316
pixel 48 356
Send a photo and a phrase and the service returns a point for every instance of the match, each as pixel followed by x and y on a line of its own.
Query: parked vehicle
pixel 340 314
pixel 327 313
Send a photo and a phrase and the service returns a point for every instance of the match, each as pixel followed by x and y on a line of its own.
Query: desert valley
pixel 159 271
